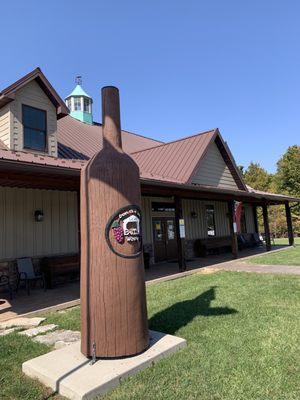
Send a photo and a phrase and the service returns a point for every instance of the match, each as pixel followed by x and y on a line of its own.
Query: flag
pixel 238 206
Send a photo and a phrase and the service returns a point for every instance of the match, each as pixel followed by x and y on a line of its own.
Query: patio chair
pixel 4 282
pixel 27 274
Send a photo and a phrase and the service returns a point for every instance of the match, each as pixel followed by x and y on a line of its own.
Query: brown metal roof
pixel 8 94
pixel 24 157
pixel 174 161
pixel 79 140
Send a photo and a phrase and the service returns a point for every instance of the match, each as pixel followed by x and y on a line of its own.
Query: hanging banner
pixel 238 207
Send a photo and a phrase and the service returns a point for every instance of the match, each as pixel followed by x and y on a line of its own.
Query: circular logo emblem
pixel 123 232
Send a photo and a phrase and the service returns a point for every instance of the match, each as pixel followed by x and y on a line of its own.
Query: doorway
pixel 164 238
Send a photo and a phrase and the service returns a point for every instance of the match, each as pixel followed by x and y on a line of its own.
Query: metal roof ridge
pixel 177 140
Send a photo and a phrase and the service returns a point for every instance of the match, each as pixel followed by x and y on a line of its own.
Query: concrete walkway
pixel 258 268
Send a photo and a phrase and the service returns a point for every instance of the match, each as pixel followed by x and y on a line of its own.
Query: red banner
pixel 238 207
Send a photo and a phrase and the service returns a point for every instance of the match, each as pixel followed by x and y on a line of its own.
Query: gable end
pixel 217 168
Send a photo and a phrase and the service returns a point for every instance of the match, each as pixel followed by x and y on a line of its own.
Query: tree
pixel 257 177
pixel 288 171
pixel 287 180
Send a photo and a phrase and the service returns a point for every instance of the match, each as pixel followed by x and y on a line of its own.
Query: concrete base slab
pixel 70 374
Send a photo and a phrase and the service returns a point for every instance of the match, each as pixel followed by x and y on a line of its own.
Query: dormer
pixel 80 103
pixel 29 110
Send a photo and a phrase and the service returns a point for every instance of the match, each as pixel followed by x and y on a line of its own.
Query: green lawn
pixel 286 257
pixel 243 342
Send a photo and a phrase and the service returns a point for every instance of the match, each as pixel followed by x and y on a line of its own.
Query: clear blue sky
pixel 182 66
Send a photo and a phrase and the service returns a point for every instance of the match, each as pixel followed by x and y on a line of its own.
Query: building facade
pixel 43 146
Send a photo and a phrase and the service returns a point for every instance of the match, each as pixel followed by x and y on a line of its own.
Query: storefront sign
pixel 123 228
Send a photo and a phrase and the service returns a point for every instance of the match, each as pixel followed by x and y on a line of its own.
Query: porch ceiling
pixel 37 177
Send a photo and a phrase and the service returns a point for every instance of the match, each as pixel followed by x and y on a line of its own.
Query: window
pixel 86 105
pixel 34 127
pixel 77 103
pixel 210 220
pixel 69 104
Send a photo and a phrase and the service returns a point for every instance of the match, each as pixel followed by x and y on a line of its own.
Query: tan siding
pixel 196 227
pixel 21 236
pixel 33 95
pixel 249 218
pixel 5 117
pixel 213 171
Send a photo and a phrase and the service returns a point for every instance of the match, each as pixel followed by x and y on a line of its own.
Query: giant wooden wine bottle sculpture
pixel 113 300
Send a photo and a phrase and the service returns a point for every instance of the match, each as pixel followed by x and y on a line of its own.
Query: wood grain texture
pixel 113 299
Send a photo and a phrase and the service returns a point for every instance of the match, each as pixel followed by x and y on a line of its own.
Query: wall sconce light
pixel 194 214
pixel 38 215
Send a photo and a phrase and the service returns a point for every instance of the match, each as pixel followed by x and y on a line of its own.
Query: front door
pixel 165 247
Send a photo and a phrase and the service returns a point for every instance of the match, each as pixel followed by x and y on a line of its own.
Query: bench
pixel 203 247
pixel 60 269
pixel 248 240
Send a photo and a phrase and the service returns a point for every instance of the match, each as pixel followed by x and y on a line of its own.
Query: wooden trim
pixel 37 74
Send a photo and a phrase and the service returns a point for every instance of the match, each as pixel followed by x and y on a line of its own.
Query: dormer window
pixel 34 128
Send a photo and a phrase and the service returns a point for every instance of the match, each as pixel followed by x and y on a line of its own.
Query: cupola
pixel 80 103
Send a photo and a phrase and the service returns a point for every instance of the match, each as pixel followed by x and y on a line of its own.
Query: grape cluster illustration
pixel 118 234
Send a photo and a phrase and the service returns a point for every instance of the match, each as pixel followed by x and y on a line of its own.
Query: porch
pixel 67 295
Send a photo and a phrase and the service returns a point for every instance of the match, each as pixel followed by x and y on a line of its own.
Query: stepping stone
pixel 7 331
pixel 65 336
pixel 21 322
pixel 37 331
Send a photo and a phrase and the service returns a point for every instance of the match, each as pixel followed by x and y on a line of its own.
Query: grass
pixel 287 257
pixel 243 342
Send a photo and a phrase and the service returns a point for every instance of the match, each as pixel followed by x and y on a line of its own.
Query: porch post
pixel 254 209
pixel 266 225
pixel 233 234
pixel 180 241
pixel 78 222
pixel 289 223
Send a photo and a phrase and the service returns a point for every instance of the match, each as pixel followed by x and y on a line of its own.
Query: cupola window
pixel 86 105
pixel 77 104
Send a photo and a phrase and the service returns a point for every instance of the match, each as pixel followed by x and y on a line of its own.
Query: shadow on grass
pixel 180 314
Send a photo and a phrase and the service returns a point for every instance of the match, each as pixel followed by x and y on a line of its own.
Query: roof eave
pixel 239 193
pixel 8 94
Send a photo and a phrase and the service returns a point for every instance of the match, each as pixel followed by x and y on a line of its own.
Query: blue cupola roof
pixel 78 91
pixel 80 103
